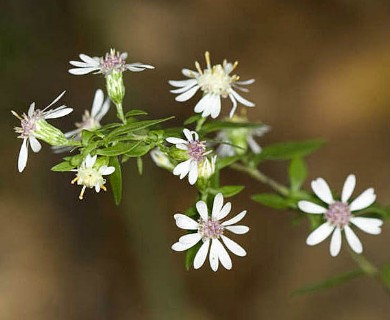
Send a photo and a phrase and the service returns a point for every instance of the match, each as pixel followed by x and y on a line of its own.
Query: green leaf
pixel 118 149
pixel 226 161
pixel 140 150
pixel 289 150
pixel 218 125
pixel 134 126
pixel 135 112
pixel 86 137
pixel 297 172
pixel 139 165
pixel 116 180
pixel 227 191
pixel 63 166
pixel 190 255
pixel 272 200
pixel 328 283
pixel 191 212
pixel 192 119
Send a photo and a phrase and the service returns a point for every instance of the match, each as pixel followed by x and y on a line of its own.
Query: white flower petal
pixel 363 201
pixel 368 225
pixel 203 104
pixel 187 95
pixel 58 113
pixel 178 246
pixel 103 110
pixel 255 147
pixel 80 64
pixel 216 106
pixel 31 109
pixel 234 101
pixel 185 222
pixel 55 100
pixel 193 173
pixel 237 229
pixel 35 144
pixel 224 211
pixel 183 89
pixel 97 102
pixel 353 240
pixel 138 66
pixel 90 161
pixel 241 99
pixel 201 255
pixel 90 60
pixel 105 171
pixel 233 246
pixel 310 207
pixel 349 186
pixel 189 73
pixel 191 238
pixel 335 242
pixel 235 219
pixel 81 71
pixel 182 168
pixel 319 234
pixel 321 189
pixel 174 140
pixel 213 256
pixel 217 205
pixel 223 256
pixel 246 82
pixel 23 155
pixel 97 188
pixel 181 83
pixel 188 134
pixel 201 206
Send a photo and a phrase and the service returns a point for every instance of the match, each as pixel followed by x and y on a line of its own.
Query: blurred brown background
pixel 322 70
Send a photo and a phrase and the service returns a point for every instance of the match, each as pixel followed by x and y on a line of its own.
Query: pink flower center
pixel 28 124
pixel 338 214
pixel 112 61
pixel 210 229
pixel 196 150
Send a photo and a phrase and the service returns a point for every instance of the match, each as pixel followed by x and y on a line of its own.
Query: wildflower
pixel 161 159
pixel 34 127
pixel 90 175
pixel 207 168
pixel 339 217
pixel 236 141
pixel 195 155
pixel 112 61
pixel 210 230
pixel 215 82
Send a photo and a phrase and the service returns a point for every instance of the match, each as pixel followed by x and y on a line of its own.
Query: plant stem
pixel 200 123
pixel 119 109
pixel 370 270
pixel 259 176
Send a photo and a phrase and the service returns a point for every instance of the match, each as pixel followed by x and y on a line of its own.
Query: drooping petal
pixel 203 104
pixel 310 207
pixel 353 240
pixel 138 66
pixel 185 222
pixel 233 246
pixel 321 189
pixel 193 174
pixel 368 225
pixel 35 144
pixel 237 229
pixel 224 211
pixel 23 155
pixel 234 102
pixel 216 106
pixel 241 99
pixel 213 256
pixel 319 234
pixel 223 256
pixel 187 95
pixel 192 238
pixel 97 102
pixel 182 169
pixel 246 82
pixel 103 110
pixel 201 255
pixel 181 83
pixel 183 89
pixel 349 186
pixel 335 242
pixel 363 201
pixel 201 206
pixel 235 219
pixel 217 205
pixel 178 246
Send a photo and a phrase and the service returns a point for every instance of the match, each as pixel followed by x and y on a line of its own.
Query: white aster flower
pixel 34 127
pixel 339 217
pixel 215 82
pixel 112 61
pixel 196 151
pixel 210 230
pixel 90 175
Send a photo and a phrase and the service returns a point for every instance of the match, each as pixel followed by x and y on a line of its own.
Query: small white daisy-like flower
pixel 196 151
pixel 215 82
pixel 339 217
pixel 112 61
pixel 210 230
pixel 90 175
pixel 34 127
pixel 207 167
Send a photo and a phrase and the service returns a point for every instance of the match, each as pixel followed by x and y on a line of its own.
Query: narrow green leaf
pixel 116 180
pixel 63 166
pixel 226 161
pixel 227 191
pixel 328 283
pixel 135 112
pixel 86 137
pixel 192 119
pixel 271 200
pixel 218 125
pixel 190 255
pixel 289 150
pixel 297 172
pixel 119 149
pixel 139 165
pixel 140 150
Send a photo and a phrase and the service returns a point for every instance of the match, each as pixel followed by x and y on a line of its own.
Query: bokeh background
pixel 322 71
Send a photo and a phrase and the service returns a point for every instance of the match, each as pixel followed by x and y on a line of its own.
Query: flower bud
pixel 161 159
pixel 115 86
pixel 206 168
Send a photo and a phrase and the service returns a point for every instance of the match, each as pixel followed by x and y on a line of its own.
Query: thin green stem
pixel 200 123
pixel 261 177
pixel 119 110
